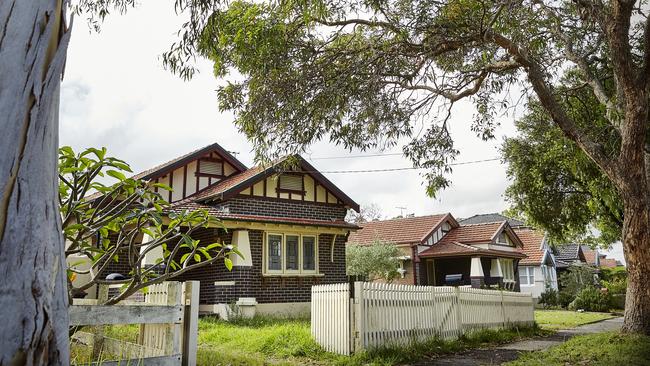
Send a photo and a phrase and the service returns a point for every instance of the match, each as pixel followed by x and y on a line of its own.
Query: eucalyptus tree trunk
pixel 33 296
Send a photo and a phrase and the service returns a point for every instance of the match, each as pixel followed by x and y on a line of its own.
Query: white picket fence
pixel 376 314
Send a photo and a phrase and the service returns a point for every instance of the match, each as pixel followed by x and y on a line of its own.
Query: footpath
pixel 511 351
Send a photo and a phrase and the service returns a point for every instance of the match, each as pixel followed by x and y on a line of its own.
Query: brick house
pixel 286 220
pixel 437 246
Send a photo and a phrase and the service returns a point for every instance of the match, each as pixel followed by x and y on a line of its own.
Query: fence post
pixel 190 322
pixel 172 341
pixel 459 318
pixel 503 310
pixel 359 314
pixel 98 335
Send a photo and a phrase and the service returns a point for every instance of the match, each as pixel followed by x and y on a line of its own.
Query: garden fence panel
pixel 378 314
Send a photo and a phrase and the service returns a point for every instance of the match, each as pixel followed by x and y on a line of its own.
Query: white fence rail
pixel 168 319
pixel 376 314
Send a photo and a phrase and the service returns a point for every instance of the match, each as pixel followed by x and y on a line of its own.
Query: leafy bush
pixel 379 260
pixel 613 274
pixel 592 299
pixel 574 280
pixel 616 286
pixel 549 298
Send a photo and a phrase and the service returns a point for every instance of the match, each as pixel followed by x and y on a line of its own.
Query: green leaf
pixel 228 263
pixel 197 258
pixel 117 175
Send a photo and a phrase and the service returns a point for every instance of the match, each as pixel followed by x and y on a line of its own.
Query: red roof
pixel 608 262
pixel 590 255
pixel 532 240
pixel 474 233
pixel 406 230
pixel 456 249
pixel 215 212
pixel 228 183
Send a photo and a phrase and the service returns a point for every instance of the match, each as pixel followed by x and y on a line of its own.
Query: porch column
pixel 496 271
pixel 476 275
pixel 241 241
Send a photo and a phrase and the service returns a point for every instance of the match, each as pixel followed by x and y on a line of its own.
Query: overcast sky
pixel 116 94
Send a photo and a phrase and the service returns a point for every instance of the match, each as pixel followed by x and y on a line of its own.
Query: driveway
pixel 511 351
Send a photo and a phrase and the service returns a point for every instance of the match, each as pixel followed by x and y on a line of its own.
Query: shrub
pixel 549 298
pixel 565 298
pixel 617 286
pixel 592 299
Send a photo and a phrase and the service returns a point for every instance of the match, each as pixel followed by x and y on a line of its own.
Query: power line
pixel 405 168
pixel 355 156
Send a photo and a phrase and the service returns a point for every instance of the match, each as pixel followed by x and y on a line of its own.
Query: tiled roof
pixel 567 252
pixel 191 156
pixel 590 255
pixel 491 217
pixel 400 231
pixel 455 249
pixel 213 211
pixel 228 183
pixel 475 233
pixel 608 262
pixel 532 240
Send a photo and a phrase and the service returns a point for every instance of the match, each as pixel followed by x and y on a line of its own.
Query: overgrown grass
pixel 603 349
pixel 562 319
pixel 275 341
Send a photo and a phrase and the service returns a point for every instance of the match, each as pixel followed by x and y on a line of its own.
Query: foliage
pixel 591 298
pixel 123 221
pixel 613 274
pixel 616 286
pixel 370 212
pixel 555 185
pixel 287 341
pixel 602 349
pixel 563 319
pixel 574 280
pixel 549 298
pixel 380 260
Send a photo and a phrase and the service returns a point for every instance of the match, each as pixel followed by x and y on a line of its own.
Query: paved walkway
pixel 511 351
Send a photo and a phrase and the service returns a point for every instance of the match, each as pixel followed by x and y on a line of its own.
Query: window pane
pixel 291 182
pixel 308 253
pixel 523 279
pixel 275 252
pixel 531 276
pixel 292 252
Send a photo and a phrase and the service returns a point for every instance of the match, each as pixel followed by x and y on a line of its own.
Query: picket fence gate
pixel 168 319
pixel 346 319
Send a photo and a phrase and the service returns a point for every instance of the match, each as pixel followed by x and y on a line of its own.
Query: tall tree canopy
pixel 366 74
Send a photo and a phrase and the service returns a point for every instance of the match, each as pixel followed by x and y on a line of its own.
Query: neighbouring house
pixel 286 220
pixel 537 271
pixel 439 251
pixel 605 262
pixel 592 256
pixel 567 255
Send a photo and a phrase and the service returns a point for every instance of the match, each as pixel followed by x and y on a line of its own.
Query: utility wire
pixel 405 168
pixel 354 156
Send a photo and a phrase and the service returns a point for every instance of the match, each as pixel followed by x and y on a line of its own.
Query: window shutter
pixel 291 182
pixel 211 167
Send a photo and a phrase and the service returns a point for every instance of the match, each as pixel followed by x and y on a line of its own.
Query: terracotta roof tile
pixel 590 255
pixel 227 183
pixel 213 211
pixel 406 230
pixel 532 240
pixel 608 262
pixel 455 249
pixel 474 233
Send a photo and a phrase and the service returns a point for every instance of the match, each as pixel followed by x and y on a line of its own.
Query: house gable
pixel 300 186
pixel 193 174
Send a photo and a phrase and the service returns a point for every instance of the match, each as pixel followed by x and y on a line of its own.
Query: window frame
pixel 527 273
pixel 300 192
pixel 283 253
pixel 198 172
pixel 266 255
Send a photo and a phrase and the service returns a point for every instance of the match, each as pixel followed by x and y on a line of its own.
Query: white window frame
pixel 283 252
pixel 508 270
pixel 527 273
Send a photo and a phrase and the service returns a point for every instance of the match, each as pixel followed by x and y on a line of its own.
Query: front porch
pixel 475 271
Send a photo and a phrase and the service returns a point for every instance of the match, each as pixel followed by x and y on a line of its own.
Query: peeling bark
pixel 33 296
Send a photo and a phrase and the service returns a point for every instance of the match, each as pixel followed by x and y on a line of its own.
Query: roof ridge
pixel 406 218
pixel 486 223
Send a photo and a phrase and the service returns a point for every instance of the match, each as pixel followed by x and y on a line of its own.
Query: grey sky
pixel 116 94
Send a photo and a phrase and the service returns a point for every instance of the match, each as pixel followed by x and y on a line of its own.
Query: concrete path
pixel 511 351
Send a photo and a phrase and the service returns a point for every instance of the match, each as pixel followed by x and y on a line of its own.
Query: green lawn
pixel 602 349
pixel 268 341
pixel 562 319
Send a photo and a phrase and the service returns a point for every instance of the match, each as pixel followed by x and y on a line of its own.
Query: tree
pixel 555 184
pixel 370 212
pixel 34 37
pixel 367 73
pixel 125 221
pixel 377 261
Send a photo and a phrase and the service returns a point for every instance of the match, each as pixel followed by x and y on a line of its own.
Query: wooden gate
pixel 168 320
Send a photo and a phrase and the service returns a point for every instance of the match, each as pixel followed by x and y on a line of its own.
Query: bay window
pixel 290 254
